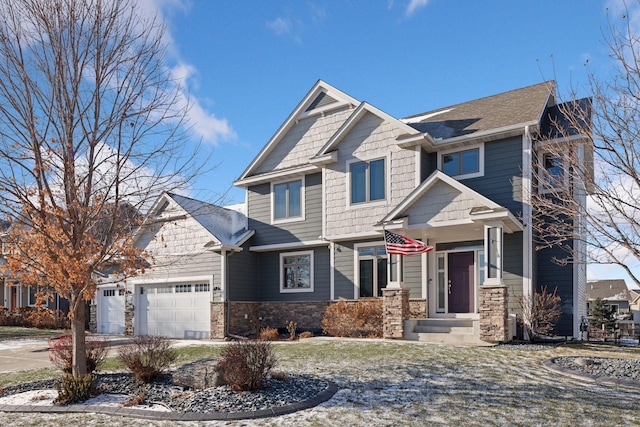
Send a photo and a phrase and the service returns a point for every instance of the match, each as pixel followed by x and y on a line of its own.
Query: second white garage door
pixel 174 310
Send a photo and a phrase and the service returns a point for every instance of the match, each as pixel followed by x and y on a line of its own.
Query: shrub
pixel 75 389
pixel 244 365
pixel 268 334
pixel 147 357
pixel 358 319
pixel 61 353
pixel 305 334
pixel 540 313
pixel 601 315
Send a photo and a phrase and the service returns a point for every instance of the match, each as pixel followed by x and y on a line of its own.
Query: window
pixel 33 296
pixel 463 163
pixel 202 287
pixel 372 270
pixel 183 288
pixel 551 172
pixel 367 181
pixel 296 272
pixel 287 200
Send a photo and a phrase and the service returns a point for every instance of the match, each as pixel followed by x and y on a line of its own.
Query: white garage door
pixel 110 310
pixel 174 310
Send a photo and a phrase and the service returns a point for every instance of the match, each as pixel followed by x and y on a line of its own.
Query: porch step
pixel 443 331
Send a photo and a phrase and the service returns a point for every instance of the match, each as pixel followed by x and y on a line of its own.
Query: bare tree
pixel 91 129
pixel 587 201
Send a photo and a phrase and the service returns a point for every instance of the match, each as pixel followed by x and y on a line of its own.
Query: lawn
pixel 18 332
pixel 392 383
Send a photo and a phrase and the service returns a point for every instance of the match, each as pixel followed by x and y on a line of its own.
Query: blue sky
pixel 246 64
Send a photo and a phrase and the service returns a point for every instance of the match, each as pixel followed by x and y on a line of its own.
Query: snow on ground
pixel 410 384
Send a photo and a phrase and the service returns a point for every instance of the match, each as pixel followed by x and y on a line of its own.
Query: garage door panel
pixel 175 311
pixel 111 302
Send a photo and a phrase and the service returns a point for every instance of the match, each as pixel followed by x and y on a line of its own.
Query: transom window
pixel 201 287
pixel 183 288
pixel 372 270
pixel 296 272
pixel 367 181
pixel 287 200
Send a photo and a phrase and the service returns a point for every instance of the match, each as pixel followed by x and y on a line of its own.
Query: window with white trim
pixel 287 200
pixel 296 272
pixel 551 172
pixel 462 164
pixel 367 181
pixel 33 296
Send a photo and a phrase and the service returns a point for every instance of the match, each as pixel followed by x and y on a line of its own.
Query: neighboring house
pixel 15 295
pixel 613 292
pixel 319 195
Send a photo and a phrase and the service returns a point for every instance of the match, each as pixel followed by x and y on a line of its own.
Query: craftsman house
pixel 335 175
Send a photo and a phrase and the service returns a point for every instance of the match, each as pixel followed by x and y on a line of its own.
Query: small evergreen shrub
pixel 245 365
pixel 147 357
pixel 355 319
pixel 61 353
pixel 268 334
pixel 74 389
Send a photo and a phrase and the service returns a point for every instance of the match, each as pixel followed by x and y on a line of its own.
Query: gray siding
pixel 558 278
pixel 343 279
pixel 512 269
pixel 259 205
pixel 502 174
pixel 413 275
pixel 244 280
pixel 270 277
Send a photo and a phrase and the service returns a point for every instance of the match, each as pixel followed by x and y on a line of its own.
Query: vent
pixel 321 100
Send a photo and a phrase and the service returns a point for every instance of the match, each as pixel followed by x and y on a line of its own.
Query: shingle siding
pixel 259 205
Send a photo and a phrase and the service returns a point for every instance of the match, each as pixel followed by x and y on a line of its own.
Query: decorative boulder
pixel 198 375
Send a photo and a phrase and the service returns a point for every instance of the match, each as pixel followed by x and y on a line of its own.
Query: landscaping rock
pixel 198 375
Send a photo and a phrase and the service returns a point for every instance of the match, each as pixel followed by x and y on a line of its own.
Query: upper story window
pixel 551 172
pixel 287 200
pixel 461 164
pixel 296 272
pixel 367 181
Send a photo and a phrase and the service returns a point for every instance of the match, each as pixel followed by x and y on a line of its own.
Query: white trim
pixel 479 147
pixel 356 265
pixel 284 290
pixel 424 273
pixel 527 235
pixel 173 280
pixel 284 175
pixel 291 245
pixel 223 277
pixel 417 164
pixel 354 236
pixel 387 182
pixel 323 213
pixel 303 194
pixel 544 187
pixel 332 268
pixel 45 303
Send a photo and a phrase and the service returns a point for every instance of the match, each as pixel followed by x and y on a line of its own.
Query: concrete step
pixel 444 331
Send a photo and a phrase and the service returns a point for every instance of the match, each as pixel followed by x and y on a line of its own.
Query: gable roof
pixel 609 290
pixel 227 226
pixel 322 97
pixel 516 107
pixel 486 208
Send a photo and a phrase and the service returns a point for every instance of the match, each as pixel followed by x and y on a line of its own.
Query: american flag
pixel 401 245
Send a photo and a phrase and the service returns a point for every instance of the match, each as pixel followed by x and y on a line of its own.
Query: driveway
pixel 19 355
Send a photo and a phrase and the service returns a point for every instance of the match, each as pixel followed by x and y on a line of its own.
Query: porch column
pixel 494 316
pixel 395 271
pixel 493 258
pixel 395 309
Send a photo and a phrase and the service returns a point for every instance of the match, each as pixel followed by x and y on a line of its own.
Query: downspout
pixel 527 215
pixel 225 293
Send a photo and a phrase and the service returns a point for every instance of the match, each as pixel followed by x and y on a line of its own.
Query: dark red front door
pixel 14 297
pixel 461 282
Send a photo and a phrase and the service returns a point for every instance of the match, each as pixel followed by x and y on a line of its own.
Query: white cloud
pixel 414 5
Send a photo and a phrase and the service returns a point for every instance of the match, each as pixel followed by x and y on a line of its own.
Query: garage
pixel 180 310
pixel 110 314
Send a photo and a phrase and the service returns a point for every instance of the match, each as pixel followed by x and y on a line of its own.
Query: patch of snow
pixel 46 397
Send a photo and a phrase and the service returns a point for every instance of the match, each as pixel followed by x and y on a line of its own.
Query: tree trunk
pixel 78 340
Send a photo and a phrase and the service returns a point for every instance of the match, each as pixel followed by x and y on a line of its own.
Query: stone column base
pixel 494 316
pixel 395 309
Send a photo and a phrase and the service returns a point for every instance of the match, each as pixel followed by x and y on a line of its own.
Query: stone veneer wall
pixel 218 317
pixel 93 318
pixel 494 316
pixel 128 314
pixel 417 308
pixel 395 309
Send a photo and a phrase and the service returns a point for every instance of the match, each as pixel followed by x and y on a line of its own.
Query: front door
pixel 461 273
pixel 14 297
